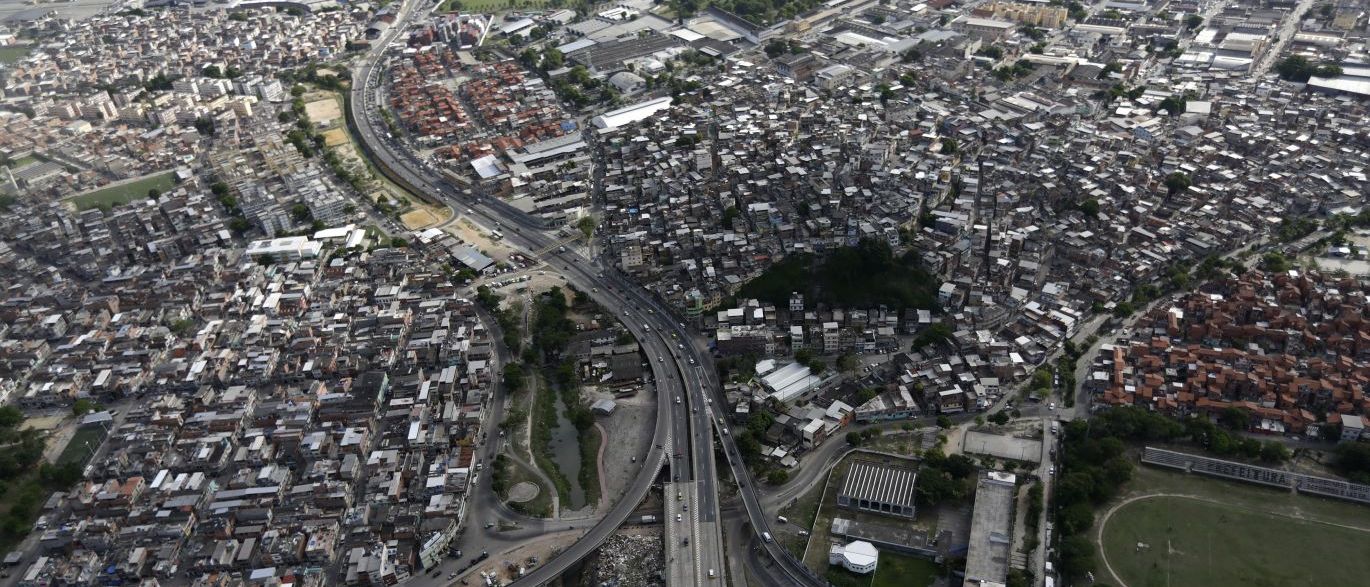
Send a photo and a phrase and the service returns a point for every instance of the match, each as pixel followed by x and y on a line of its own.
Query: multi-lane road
pixel 678 365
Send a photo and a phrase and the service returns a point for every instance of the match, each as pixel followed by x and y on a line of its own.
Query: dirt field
pixel 419 218
pixel 323 112
pixel 335 137
pixel 477 237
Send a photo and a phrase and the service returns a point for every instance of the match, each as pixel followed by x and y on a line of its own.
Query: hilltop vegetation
pixel 761 12
pixel 862 276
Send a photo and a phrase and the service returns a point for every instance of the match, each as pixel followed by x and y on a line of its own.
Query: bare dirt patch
pixel 323 112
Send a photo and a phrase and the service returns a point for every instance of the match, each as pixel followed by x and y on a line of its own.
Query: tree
pixel 297 90
pixel 205 126
pixel 1275 263
pixel 847 362
pixel 1352 460
pixel 300 212
pixel 153 194
pixel 949 146
pixel 1274 452
pixel 552 59
pixel 911 56
pixel 1174 105
pixel 855 438
pixel 1194 21
pixel 776 48
pixel 10 417
pixel 398 243
pixel 586 226
pixel 1297 68
pixel 1077 556
pixel 84 406
pixel 938 332
pixel 1000 418
pixel 1090 207
pixel 182 327
pixel 1177 182
pixel 1123 309
pixel 777 476
pixel 943 422
pixel 513 376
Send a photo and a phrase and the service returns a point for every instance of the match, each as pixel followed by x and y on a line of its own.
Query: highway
pixel 688 424
pixel 523 232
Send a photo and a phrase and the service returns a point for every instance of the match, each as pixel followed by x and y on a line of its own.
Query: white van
pixel 782 519
pixel 766 536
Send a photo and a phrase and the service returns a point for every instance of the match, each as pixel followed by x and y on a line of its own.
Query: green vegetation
pixel 513 377
pixel 1352 461
pixel 82 445
pixel 778 47
pixel 1292 229
pixel 580 88
pixel 83 406
pixel 1094 466
pixel 837 576
pixel 758 11
pixel 1193 21
pixel 26 481
pixel 544 417
pixel 1174 105
pixel 1177 182
pixel 1019 69
pixel 1275 263
pixel 944 478
pixel 898 570
pixel 807 358
pixel 1192 543
pixel 866 275
pixel 1120 91
pixel 991 51
pixel 109 197
pixel 1297 68
pixel 13 53
pixel 1076 11
pixel 551 331
pixel 855 438
pixel 489 6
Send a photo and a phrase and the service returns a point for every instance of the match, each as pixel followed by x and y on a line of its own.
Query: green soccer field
pixel 1171 541
pixel 124 193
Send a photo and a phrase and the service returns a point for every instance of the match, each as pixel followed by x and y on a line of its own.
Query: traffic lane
pixel 598 532
pixel 532 240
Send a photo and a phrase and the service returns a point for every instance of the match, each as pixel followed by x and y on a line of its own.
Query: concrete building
pixel 878 488
pixel 991 529
pixel 858 557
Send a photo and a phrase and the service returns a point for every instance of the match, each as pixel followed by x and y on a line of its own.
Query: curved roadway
pixel 697 379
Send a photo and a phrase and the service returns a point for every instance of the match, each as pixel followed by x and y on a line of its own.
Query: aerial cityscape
pixel 772 293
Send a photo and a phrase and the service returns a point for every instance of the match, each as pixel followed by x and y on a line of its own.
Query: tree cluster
pixel 1297 68
pixel 866 275
pixel 944 478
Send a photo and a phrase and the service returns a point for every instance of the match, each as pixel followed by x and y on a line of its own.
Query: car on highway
pixel 677 400
pixel 677 517
pixel 1051 405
